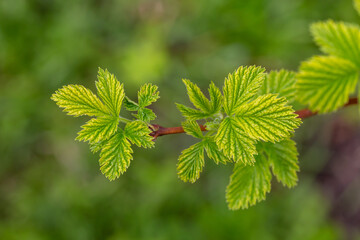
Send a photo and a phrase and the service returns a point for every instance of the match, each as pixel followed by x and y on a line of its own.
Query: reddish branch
pixel 160 131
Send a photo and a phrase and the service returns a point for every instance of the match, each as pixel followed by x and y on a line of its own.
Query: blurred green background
pixel 51 186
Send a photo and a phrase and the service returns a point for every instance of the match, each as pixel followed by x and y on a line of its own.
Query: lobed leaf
pixel 147 95
pixel 190 113
pixel 98 129
pixel 248 184
pixel 234 142
pixel 325 82
pixel 110 91
pixel 338 39
pixel 283 159
pixel 197 97
pixel 241 86
pixel 191 163
pixel 78 100
pixel 115 156
pixel 267 118
pixel 138 133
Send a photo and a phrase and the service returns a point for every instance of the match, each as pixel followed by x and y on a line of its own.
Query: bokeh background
pixel 51 186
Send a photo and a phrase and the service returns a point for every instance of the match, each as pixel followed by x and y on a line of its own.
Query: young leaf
pixel 145 114
pixel 280 82
pixel 97 146
pixel 234 142
pixel 190 113
pixel 248 184
pixel 214 152
pixel 241 86
pixel 216 98
pixel 138 133
pixel 130 105
pixel 206 108
pixel 115 156
pixel 325 82
pixel 268 118
pixel 197 97
pixel 78 100
pixel 110 91
pixel 147 95
pixel 192 128
pixel 283 159
pixel 338 39
pixel 98 129
pixel 191 163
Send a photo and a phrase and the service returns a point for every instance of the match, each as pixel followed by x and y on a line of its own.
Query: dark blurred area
pixel 51 186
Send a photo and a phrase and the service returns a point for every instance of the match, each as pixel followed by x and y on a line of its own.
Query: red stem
pixel 161 131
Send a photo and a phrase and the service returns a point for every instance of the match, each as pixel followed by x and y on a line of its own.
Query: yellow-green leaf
pixel 110 91
pixel 78 100
pixel 115 156
pixel 191 163
pixel 234 142
pixel 98 129
pixel 248 184
pixel 325 82
pixel 241 86
pixel 268 118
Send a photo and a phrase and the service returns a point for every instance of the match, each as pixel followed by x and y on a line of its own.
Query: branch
pixel 161 131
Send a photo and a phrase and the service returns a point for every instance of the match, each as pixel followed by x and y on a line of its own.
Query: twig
pixel 161 131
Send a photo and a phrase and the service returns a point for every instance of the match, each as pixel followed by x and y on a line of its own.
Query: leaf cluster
pixel 325 82
pixel 109 132
pixel 249 124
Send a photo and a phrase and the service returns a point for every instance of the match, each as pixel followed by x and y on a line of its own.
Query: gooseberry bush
pixel 248 124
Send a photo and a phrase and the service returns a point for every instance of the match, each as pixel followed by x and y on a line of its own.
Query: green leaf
pixel 280 82
pixel 138 133
pixel 192 128
pixel 338 39
pixel 97 146
pixel 241 86
pixel 248 184
pixel 115 156
pixel 325 82
pixel 234 142
pixel 130 105
pixel 98 129
pixel 216 99
pixel 145 114
pixel 147 95
pixel 206 108
pixel 357 6
pixel 78 100
pixel 268 118
pixel 197 97
pixel 214 152
pixel 110 91
pixel 191 113
pixel 283 159
pixel 191 163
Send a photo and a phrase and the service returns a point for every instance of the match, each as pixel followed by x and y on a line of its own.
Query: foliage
pixel 103 132
pixel 248 115
pixel 50 185
pixel 326 82
pixel 249 124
